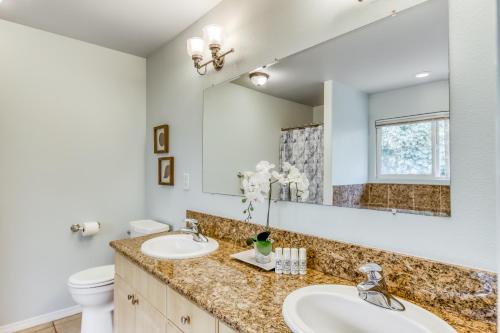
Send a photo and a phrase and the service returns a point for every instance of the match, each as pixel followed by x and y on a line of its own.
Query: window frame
pixel 433 178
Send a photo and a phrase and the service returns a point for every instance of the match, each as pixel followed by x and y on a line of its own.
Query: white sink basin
pixel 338 309
pixel 177 246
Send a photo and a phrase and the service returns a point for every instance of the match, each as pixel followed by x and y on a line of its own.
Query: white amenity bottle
pixel 294 261
pixel 302 261
pixel 286 260
pixel 278 255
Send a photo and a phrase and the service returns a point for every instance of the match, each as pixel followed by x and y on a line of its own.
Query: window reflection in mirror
pixel 365 117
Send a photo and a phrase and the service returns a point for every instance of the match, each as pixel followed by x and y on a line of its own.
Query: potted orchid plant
pixel 257 187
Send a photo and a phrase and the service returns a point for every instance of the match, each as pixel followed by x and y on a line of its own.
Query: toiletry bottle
pixel 302 261
pixel 294 261
pixel 286 260
pixel 278 268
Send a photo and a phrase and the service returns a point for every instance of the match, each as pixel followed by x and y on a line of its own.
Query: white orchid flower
pixel 264 166
pixel 248 174
pixel 281 178
pixel 256 185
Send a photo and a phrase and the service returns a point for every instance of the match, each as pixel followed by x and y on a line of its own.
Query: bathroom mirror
pixel 364 116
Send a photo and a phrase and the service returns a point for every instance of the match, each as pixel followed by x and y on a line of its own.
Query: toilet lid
pixel 147 227
pixel 93 277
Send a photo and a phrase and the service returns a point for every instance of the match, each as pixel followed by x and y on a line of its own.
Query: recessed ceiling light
pixel 259 78
pixel 421 75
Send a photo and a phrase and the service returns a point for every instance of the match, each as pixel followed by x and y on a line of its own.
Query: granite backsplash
pixel 466 292
pixel 406 198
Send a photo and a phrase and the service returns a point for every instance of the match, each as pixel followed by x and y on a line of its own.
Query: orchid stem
pixel 269 204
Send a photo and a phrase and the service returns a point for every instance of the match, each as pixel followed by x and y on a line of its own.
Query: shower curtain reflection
pixel 303 148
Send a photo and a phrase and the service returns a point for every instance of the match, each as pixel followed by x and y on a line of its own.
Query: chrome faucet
pixel 192 228
pixel 375 291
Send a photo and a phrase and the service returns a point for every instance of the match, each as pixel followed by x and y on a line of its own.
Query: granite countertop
pixel 244 297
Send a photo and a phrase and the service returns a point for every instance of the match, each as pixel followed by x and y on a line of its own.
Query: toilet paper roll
pixel 90 228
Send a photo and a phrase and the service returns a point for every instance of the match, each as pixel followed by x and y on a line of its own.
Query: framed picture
pixel 161 139
pixel 166 171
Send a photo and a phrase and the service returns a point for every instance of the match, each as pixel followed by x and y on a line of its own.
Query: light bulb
pixel 195 46
pixel 213 35
pixel 259 78
pixel 421 75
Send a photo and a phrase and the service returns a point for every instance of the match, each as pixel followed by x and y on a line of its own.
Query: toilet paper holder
pixel 79 227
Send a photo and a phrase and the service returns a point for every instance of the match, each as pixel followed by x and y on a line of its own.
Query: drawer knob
pixel 135 301
pixel 185 320
pixel 129 297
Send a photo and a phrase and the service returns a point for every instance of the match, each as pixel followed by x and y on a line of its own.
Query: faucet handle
pixel 372 270
pixel 191 223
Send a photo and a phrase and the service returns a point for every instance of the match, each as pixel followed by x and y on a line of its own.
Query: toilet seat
pixel 93 277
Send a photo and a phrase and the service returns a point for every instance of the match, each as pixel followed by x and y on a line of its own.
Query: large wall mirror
pixel 364 116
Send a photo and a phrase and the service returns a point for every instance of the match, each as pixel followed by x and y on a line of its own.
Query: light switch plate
pixel 186 181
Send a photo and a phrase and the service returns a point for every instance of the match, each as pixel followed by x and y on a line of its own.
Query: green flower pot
pixel 263 250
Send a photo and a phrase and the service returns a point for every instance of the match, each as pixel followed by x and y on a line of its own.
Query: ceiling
pixel 381 56
pixel 134 26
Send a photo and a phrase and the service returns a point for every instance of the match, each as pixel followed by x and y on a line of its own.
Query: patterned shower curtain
pixel 303 148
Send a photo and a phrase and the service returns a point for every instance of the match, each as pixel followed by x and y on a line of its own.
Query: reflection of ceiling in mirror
pixel 381 56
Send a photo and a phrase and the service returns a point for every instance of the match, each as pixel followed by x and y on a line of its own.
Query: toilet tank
pixel 145 227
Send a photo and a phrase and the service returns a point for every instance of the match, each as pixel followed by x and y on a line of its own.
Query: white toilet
pixel 93 288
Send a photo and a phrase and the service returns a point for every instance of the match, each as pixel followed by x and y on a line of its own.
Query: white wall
pixel 241 127
pixel 71 150
pixel 408 101
pixel 262 30
pixel 349 135
pixel 318 114
pixel 327 144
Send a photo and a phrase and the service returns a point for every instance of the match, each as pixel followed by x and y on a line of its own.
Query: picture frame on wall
pixel 166 171
pixel 161 139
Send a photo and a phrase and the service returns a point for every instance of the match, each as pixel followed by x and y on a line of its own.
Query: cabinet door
pixel 124 313
pixel 152 289
pixel 223 328
pixel 148 319
pixel 171 328
pixel 188 317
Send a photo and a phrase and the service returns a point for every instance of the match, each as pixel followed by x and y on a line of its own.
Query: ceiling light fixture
pixel 423 74
pixel 213 36
pixel 259 78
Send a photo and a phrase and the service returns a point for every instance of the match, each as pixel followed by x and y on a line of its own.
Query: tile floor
pixel 66 325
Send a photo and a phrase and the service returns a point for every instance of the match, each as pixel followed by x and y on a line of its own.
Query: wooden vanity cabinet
pixel 223 328
pixel 124 313
pixel 171 328
pixel 144 304
pixel 133 312
pixel 187 316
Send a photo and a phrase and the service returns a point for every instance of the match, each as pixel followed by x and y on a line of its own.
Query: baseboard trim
pixel 39 320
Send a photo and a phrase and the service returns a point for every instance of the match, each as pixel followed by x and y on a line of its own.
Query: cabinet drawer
pixel 124 268
pixel 223 328
pixel 188 317
pixel 150 288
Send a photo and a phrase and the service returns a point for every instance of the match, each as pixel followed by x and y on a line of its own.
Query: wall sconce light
pixel 213 35
pixel 259 78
